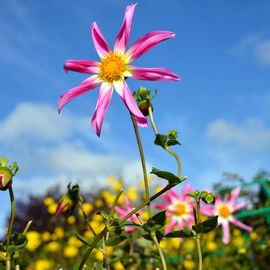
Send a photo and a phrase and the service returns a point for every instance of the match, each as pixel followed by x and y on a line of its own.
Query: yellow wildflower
pixel 238 241
pixel 253 236
pixel 33 240
pixel 74 241
pixel 52 208
pixel 59 232
pixel 109 251
pixel 236 232
pixel 98 203
pixel 70 251
pixel 48 201
pixel 189 245
pixel 211 246
pixel 118 266
pixel 46 236
pixel 71 219
pixel 188 264
pixel 87 208
pixel 88 235
pixel 109 198
pixel 43 264
pixel 132 193
pixel 99 255
pixel 53 246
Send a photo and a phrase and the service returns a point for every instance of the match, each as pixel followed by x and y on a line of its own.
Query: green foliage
pixel 170 177
pixel 206 226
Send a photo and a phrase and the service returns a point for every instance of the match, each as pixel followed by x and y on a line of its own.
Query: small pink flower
pixel 178 208
pixel 125 211
pixel 225 208
pixel 113 69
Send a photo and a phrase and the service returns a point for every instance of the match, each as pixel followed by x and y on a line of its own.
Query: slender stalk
pixel 197 218
pixel 27 227
pixel 146 186
pixel 167 148
pixel 12 214
pixel 11 222
pixel 161 255
pixel 199 252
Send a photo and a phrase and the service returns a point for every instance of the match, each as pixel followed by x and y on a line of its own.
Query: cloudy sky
pixel 220 107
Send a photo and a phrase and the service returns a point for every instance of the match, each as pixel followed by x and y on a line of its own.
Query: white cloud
pixel 250 135
pixel 256 45
pixel 42 123
pixel 262 52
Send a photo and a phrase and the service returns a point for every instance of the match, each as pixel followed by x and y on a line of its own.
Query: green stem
pixel 197 218
pixel 199 251
pixel 11 222
pixel 167 148
pixel 161 255
pixel 12 215
pixel 146 186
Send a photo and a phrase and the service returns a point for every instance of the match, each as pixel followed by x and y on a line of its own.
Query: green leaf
pixel 173 142
pixel 115 240
pixel 172 179
pixel 99 266
pixel 3 161
pixel 161 140
pixel 130 224
pixel 207 226
pixel 83 239
pixel 159 218
pixel 186 233
pixel 17 242
pixel 195 195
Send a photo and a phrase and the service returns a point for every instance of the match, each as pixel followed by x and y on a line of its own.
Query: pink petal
pixel 234 195
pixel 170 226
pixel 124 33
pixel 99 41
pixel 146 42
pixel 124 92
pixel 226 232
pixel 87 85
pixel 180 224
pixel 104 98
pixel 190 222
pixel 121 211
pixel 240 224
pixel 153 74
pixel 82 66
pixel 240 205
pixel 207 210
pixel 160 206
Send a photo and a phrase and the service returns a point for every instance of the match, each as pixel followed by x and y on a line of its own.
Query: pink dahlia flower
pixel 113 69
pixel 224 209
pixel 125 211
pixel 178 208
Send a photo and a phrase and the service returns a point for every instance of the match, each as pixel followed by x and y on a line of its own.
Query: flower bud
pixel 173 134
pixel 68 201
pixel 143 106
pixel 5 178
pixel 143 93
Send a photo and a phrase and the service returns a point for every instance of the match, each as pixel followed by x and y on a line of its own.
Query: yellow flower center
pixel 113 67
pixel 179 209
pixel 224 211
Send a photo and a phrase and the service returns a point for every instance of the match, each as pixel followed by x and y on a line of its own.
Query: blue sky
pixel 220 107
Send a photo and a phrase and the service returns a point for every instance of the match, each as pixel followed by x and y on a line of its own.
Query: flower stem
pixel 12 214
pixel 197 218
pixel 167 148
pixel 11 222
pixel 199 251
pixel 146 186
pixel 161 255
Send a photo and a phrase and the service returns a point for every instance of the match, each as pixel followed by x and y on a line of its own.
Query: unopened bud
pixel 143 93
pixel 173 134
pixel 5 178
pixel 143 106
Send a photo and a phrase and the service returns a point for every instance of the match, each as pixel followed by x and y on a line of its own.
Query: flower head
pixel 113 69
pixel 225 208
pixel 179 208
